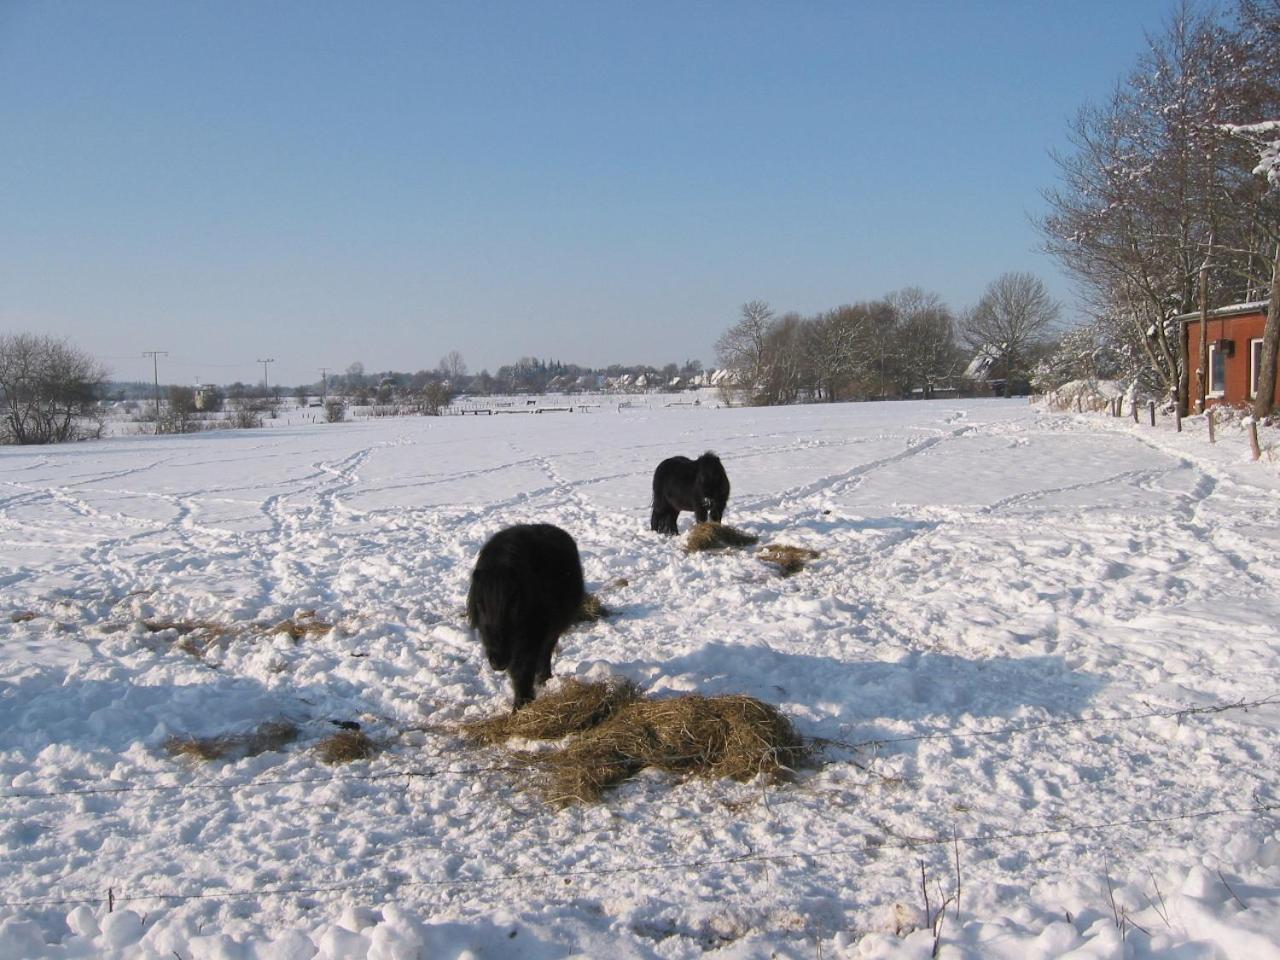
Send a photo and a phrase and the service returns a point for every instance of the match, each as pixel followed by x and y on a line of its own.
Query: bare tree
pixel 452 367
pixel 179 414
pixel 783 375
pixel 50 390
pixel 926 354
pixel 742 348
pixel 1011 322
pixel 836 349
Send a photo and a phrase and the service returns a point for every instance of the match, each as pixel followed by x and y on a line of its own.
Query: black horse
pixel 682 484
pixel 526 590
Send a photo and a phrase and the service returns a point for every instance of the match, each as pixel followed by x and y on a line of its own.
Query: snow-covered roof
pixel 980 365
pixel 1235 309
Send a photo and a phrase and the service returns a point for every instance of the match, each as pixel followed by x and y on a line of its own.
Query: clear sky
pixel 591 181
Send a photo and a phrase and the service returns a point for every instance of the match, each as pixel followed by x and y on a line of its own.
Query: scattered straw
pixel 712 737
pixel 184 627
pixel 304 624
pixel 274 735
pixel 573 707
pixel 788 558
pixel 345 746
pixel 717 536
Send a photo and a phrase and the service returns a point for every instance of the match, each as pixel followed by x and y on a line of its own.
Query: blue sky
pixel 591 181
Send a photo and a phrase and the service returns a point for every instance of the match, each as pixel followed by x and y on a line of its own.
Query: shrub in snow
pixel 1083 395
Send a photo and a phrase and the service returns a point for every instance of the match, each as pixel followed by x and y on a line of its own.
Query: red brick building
pixel 1235 351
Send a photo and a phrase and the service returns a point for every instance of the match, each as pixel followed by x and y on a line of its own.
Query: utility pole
pixel 265 389
pixel 324 384
pixel 155 374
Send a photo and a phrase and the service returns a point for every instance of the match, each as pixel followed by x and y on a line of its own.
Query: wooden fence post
pixel 1208 416
pixel 1135 409
pixel 1253 440
pixel 1151 409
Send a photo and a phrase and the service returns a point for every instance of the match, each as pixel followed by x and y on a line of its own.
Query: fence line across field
pixel 751 856
pixel 1116 409
pixel 430 771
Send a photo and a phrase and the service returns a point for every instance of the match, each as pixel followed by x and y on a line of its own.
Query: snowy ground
pixel 986 568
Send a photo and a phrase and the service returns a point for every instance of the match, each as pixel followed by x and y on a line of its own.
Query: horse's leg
pixel 544 660
pixel 663 520
pixel 521 673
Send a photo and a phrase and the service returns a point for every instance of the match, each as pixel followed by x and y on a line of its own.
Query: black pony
pixel 682 484
pixel 525 591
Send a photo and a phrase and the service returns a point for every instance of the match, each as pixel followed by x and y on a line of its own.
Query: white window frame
pixel 1254 367
pixel 1210 392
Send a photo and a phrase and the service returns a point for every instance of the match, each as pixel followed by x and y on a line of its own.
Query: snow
pixel 1029 633
pixel 1266 137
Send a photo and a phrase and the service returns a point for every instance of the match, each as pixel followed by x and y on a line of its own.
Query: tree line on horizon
pixel 907 343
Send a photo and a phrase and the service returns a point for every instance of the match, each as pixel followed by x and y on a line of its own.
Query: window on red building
pixel 1217 371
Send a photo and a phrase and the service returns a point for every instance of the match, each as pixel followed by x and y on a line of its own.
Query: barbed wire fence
pixel 1068 829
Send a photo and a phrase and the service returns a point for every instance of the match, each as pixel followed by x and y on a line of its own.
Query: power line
pixel 1049 724
pixel 428 771
pixel 821 853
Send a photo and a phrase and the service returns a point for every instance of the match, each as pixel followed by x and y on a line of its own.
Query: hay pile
pixel 789 559
pixel 574 707
pixel 617 733
pixel 591 610
pixel 346 746
pixel 712 737
pixel 717 536
pixel 274 735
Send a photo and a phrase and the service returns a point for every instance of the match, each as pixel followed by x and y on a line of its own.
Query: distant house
pixel 1235 351
pixel 980 375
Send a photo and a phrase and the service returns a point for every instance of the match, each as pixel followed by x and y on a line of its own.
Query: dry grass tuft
pixel 303 625
pixel 274 735
pixel 574 707
pixel 185 627
pixel 789 559
pixel 717 536
pixel 728 736
pixel 591 610
pixel 196 636
pixel 346 746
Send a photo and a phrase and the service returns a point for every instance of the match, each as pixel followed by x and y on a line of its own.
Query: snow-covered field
pixel 990 576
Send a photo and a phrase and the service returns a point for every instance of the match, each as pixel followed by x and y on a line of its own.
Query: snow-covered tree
pixel 1158 212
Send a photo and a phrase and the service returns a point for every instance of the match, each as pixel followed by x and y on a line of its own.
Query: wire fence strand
pixel 751 856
